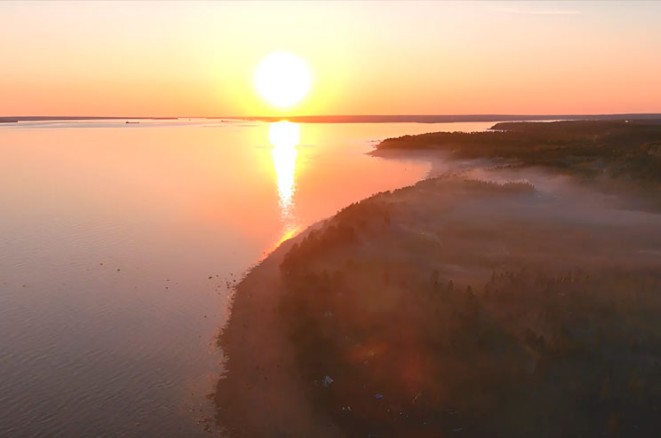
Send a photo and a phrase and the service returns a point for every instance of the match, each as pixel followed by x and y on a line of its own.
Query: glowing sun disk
pixel 283 79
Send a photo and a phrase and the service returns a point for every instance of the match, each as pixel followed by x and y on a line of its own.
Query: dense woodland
pixel 624 149
pixel 390 343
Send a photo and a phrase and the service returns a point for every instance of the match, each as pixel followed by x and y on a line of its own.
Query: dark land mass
pixel 16 119
pixel 446 118
pixel 618 149
pixel 466 307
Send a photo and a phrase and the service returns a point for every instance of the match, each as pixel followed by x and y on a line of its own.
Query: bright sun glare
pixel 283 79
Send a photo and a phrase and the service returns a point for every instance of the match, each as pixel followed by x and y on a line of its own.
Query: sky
pixel 197 59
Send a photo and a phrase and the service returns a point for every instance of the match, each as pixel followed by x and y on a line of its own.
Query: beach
pixel 262 394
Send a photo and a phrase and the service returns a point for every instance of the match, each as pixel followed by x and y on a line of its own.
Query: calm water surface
pixel 118 243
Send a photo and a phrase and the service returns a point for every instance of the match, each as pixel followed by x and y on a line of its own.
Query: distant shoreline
pixel 16 119
pixel 361 118
pixel 448 118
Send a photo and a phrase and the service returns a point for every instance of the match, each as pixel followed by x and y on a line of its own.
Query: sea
pixel 121 244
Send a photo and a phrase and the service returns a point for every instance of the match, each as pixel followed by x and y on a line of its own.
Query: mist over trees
pixel 412 314
pixel 623 149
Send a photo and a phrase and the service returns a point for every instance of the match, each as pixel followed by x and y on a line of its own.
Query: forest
pixel 629 150
pixel 454 307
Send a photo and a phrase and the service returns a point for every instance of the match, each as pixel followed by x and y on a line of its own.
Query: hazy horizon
pixel 483 116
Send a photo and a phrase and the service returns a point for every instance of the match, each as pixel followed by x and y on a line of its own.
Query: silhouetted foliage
pixel 532 349
pixel 622 149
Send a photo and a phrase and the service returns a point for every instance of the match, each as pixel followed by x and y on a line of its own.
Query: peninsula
pixel 517 296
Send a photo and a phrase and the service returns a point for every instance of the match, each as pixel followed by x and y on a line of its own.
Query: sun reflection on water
pixel 284 137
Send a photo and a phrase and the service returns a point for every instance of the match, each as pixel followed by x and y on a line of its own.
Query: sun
pixel 283 79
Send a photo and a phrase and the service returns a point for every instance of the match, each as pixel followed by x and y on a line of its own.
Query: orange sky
pixel 197 59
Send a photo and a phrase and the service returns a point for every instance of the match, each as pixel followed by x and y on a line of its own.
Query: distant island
pixel 466 306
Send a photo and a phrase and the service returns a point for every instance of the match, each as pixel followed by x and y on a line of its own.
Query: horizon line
pixel 329 118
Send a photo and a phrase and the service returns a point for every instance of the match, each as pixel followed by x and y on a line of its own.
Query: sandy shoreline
pixel 261 393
